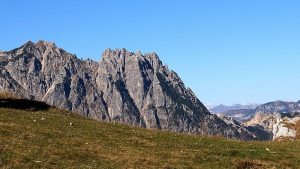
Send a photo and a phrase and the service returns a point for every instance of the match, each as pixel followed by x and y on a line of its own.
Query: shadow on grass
pixel 23 104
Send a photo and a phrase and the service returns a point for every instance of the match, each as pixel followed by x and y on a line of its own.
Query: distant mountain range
pixel 237 112
pixel 275 119
pixel 244 113
pixel 240 115
pixel 224 108
pixel 279 107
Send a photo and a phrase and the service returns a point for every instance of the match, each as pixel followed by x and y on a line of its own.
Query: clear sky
pixel 227 51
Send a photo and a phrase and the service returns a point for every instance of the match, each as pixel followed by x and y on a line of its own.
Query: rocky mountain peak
pixel 34 49
pixel 28 43
pixel 110 53
pixel 25 48
pixel 121 58
pixel 117 53
pixel 45 44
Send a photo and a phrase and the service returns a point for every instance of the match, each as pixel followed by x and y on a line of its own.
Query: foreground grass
pixel 45 139
pixel 297 128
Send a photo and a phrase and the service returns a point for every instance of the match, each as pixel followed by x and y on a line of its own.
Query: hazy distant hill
pixel 240 115
pixel 279 107
pixel 223 108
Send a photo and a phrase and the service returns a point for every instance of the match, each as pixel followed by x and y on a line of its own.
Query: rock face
pixel 278 125
pixel 131 88
pixel 278 118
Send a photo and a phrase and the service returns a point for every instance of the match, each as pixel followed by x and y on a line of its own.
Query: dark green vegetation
pixel 57 139
pixel 23 104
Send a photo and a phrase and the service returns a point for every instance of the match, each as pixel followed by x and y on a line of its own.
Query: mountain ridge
pixel 224 108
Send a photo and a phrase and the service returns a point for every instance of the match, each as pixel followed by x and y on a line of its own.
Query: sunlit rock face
pixel 278 118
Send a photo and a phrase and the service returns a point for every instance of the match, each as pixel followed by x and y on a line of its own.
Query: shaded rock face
pixel 130 88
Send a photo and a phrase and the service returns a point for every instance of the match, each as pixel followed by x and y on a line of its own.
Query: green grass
pixel 45 139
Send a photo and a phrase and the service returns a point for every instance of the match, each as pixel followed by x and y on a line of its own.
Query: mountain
pixel 240 115
pixel 279 107
pixel 238 112
pixel 224 108
pixel 126 87
pixel 278 118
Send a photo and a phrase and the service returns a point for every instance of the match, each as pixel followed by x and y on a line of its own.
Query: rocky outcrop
pixel 278 118
pixel 284 128
pixel 277 124
pixel 130 88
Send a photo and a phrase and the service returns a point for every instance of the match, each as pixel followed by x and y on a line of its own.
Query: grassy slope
pixel 297 127
pixel 45 139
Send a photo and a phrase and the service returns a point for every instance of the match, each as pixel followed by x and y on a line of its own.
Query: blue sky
pixel 233 51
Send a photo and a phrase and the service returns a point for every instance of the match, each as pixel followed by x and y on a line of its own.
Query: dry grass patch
pixel 8 95
pixel 252 164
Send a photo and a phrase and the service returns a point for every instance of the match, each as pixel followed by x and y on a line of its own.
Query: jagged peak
pixel 153 57
pixel 42 43
pixel 25 47
pixel 29 42
pixel 32 48
pixel 116 52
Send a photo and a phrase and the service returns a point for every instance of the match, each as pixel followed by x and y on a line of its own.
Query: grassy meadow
pixel 58 139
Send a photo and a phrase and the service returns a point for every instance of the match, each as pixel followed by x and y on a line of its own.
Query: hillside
pixel 52 138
